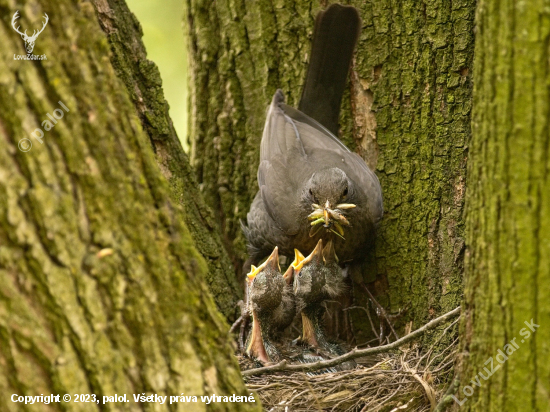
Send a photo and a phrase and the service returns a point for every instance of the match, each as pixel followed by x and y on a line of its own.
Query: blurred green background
pixel 163 36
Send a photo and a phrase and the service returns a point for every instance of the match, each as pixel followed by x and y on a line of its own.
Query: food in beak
pixel 332 220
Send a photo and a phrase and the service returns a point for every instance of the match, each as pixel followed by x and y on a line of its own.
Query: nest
pixel 407 379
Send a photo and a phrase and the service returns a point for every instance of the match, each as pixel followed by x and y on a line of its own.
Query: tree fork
pixel 407 113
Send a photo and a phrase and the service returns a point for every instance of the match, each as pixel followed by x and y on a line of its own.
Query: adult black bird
pixel 271 303
pixel 311 186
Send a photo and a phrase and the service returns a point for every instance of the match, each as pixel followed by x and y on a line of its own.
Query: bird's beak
pixel 289 275
pixel 253 272
pixel 326 213
pixel 331 219
pixel 272 261
pixel 316 254
pixel 329 254
pixel 298 257
pixel 294 267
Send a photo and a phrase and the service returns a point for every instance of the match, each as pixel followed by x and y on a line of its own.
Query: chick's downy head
pixel 318 276
pixel 266 284
pixel 309 279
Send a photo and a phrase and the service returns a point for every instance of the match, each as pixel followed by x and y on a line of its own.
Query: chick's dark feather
pixel 271 303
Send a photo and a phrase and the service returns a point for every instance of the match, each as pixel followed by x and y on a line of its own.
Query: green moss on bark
pixel 136 317
pixel 143 82
pixel 508 210
pixel 412 93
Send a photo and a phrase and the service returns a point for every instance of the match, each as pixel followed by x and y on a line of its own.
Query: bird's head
pixel 318 276
pixel 330 194
pixel 266 283
pixel 308 277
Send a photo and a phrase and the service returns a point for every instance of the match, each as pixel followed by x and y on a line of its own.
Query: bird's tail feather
pixel 336 32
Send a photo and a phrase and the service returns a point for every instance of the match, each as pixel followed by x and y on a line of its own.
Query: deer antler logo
pixel 29 40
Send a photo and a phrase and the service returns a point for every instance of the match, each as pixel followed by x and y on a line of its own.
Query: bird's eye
pixel 313 196
pixel 345 192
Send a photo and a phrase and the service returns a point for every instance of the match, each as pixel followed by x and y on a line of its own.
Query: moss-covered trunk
pixel 407 113
pixel 102 290
pixel 142 80
pixel 508 213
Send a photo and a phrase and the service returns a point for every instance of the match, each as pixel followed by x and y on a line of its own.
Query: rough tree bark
pixel 407 113
pixel 101 286
pixel 508 212
pixel 142 80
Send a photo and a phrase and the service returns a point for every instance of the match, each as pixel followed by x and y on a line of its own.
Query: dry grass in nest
pixel 407 379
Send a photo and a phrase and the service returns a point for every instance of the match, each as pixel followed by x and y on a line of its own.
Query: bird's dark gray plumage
pixel 317 279
pixel 306 175
pixel 336 31
pixel 271 303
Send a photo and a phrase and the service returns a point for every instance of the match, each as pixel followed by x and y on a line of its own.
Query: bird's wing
pixel 284 166
pixel 326 150
pixel 359 172
pixel 280 190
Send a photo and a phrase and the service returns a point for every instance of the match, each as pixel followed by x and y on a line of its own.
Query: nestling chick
pixel 316 279
pixel 271 303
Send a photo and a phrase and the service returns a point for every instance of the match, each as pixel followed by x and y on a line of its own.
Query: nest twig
pixel 354 353
pixel 409 379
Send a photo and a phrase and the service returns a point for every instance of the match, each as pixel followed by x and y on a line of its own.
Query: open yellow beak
pixel 317 252
pixel 298 257
pixel 272 261
pixel 294 266
pixel 253 272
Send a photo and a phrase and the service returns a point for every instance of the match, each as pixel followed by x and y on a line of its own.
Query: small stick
pixel 429 353
pixel 381 309
pixel 233 328
pixel 370 319
pixel 354 353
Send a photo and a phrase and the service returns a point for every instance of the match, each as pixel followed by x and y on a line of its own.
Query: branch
pixel 354 353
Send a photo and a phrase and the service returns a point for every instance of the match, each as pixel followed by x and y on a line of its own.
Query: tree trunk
pixel 102 287
pixel 142 80
pixel 508 218
pixel 407 113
